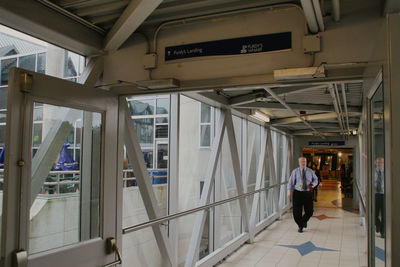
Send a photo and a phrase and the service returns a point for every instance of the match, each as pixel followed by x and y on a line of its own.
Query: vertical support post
pixel 86 175
pixel 284 174
pixel 193 251
pixel 236 167
pixel 145 186
pixel 256 198
pixel 245 166
pixel 273 169
pixel 173 172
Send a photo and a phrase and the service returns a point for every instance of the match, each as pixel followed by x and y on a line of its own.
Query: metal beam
pixel 297 89
pixel 295 106
pixel 324 134
pixel 145 186
pixel 313 117
pixel 321 130
pixel 49 25
pixel 330 125
pixel 290 109
pixel 235 83
pixel 337 107
pixel 92 71
pixel 248 98
pixel 101 9
pixel 345 105
pixel 263 96
pixel 193 251
pixel 132 17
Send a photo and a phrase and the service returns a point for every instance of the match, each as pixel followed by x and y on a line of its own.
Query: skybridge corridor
pixel 334 237
pixel 163 133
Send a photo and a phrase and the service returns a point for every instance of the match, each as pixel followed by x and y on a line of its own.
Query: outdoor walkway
pixel 334 237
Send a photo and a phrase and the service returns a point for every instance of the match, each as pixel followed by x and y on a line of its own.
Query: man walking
pixel 380 196
pixel 302 182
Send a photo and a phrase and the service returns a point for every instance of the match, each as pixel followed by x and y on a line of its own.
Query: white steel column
pixel 193 251
pixel 259 179
pixel 236 167
pixel 145 186
pixel 86 175
pixel 173 172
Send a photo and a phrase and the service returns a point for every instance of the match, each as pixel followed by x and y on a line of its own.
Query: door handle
pixel 20 259
pixel 111 247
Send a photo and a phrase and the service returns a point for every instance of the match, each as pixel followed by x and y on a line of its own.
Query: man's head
pixel 302 162
pixel 380 163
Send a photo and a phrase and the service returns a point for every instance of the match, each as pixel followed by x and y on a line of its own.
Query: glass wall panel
pixel 27 62
pixel 253 154
pixel 140 247
pixel 64 220
pixel 378 175
pixel 41 63
pixel 193 163
pixel 6 65
pixel 142 107
pixel 227 217
pixel 266 197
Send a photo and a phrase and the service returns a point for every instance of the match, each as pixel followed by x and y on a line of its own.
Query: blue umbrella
pixel 66 161
pixel 2 158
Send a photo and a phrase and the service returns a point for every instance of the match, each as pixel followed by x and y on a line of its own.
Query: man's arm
pixel 314 181
pixel 291 183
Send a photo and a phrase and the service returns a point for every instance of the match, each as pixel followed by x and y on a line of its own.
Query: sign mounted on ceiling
pixel 326 143
pixel 236 46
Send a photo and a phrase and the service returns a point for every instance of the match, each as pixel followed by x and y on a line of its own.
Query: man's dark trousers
pixel 380 210
pixel 302 199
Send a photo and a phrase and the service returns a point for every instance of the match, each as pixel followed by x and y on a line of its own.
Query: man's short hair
pixel 302 158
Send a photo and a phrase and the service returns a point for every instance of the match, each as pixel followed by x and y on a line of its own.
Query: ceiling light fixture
pixel 261 116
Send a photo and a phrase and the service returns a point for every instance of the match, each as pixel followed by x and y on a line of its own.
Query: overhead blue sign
pixel 326 143
pixel 236 46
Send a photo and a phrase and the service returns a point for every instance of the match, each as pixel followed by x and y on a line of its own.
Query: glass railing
pixel 62 182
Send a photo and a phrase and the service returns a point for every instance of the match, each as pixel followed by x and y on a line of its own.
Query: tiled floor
pixel 334 229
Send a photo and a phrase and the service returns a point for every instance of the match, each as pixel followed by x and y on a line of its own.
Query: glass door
pixel 60 187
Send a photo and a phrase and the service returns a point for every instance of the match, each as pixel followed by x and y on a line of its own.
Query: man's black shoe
pixel 300 229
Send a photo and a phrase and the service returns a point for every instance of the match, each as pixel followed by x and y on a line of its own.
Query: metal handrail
pixel 360 196
pixel 194 210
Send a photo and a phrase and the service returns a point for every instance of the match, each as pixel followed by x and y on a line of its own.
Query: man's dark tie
pixel 304 179
pixel 379 182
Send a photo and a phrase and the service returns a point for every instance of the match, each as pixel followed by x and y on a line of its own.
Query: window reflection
pixel 378 174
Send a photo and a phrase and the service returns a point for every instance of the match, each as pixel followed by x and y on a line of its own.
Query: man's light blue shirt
pixel 382 189
pixel 296 179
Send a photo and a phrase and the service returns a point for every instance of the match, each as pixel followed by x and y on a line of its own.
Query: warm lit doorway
pixel 335 168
